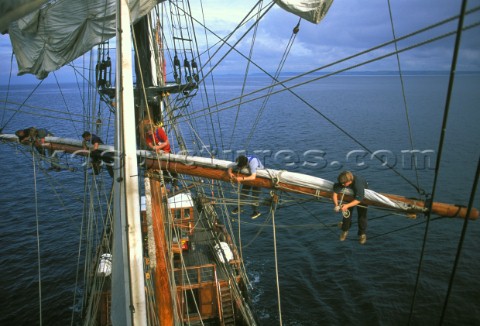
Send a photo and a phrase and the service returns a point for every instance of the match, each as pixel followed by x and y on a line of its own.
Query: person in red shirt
pixel 158 140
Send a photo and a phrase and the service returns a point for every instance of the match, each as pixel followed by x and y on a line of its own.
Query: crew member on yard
pixel 157 140
pixel 34 136
pixel 247 165
pixel 357 184
pixel 37 138
pixel 96 154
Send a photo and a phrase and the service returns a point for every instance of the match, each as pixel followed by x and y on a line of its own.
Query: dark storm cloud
pixel 354 26
pixel 350 27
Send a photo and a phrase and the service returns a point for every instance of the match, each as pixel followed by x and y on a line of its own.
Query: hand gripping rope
pixel 346 213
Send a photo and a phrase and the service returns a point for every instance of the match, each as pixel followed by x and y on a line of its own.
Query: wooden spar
pixel 163 300
pixel 443 209
pixel 219 173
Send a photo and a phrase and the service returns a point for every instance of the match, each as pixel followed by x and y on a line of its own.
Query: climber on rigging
pixel 36 137
pixel 97 154
pixel 247 165
pixel 357 184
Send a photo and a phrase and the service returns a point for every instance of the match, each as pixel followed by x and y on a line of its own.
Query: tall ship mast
pixel 162 245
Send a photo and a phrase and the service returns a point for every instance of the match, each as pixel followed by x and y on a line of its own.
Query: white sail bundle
pixel 304 180
pixel 312 10
pixel 58 33
pixel 276 176
pixel 292 178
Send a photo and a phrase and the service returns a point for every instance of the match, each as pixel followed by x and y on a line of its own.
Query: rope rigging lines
pixel 38 240
pixel 2 125
pixel 249 97
pixel 224 106
pixel 229 196
pixel 461 242
pixel 275 77
pixel 404 97
pixel 460 29
pixel 199 124
pixel 21 105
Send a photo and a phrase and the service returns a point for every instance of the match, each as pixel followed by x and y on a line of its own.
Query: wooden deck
pixel 207 290
pixel 201 252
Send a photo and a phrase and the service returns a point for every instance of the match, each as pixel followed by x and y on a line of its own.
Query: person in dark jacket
pixel 247 165
pixel 36 137
pixel 358 184
pixel 97 155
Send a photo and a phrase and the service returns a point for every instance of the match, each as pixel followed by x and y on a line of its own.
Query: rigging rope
pixel 204 76
pixel 346 213
pixel 245 75
pixel 238 218
pixel 272 213
pixel 404 95
pixel 418 189
pixel 460 245
pixel 276 76
pixel 236 43
pixel 38 237
pixel 54 113
pixel 65 101
pixel 8 93
pixel 212 80
pixel 300 76
pixel 440 148
pixel 21 105
pixel 210 56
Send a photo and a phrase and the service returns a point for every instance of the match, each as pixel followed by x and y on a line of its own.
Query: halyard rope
pixel 38 237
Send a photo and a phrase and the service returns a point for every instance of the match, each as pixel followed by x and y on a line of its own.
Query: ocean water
pixel 321 281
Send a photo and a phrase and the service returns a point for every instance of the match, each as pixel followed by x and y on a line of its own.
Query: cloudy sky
pixel 351 26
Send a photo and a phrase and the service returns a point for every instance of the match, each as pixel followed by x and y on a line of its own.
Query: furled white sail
pixel 311 10
pixel 58 33
pixel 292 178
pixel 279 177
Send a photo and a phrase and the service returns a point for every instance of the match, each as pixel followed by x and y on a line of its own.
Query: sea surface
pixel 409 271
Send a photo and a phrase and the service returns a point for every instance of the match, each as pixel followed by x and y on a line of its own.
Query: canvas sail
pixel 311 10
pixel 11 10
pixel 51 37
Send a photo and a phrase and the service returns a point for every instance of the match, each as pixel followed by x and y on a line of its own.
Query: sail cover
pixel 311 10
pixel 61 31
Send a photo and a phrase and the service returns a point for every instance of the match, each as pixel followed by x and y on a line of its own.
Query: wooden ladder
pixel 227 305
